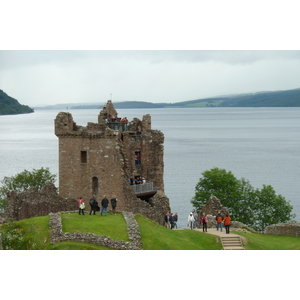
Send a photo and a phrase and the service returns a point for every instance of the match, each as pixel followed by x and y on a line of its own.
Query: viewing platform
pixel 119 126
pixel 144 190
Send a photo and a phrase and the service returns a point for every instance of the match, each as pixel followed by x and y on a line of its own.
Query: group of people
pixel 193 221
pixel 137 180
pixel 113 119
pixel 220 219
pixel 170 220
pixel 94 206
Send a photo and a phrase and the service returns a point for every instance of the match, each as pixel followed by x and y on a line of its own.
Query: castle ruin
pixel 105 158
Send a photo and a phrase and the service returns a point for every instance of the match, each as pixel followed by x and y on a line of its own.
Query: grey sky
pixel 38 78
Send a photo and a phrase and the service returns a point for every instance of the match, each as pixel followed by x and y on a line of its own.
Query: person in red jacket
pixel 227 220
pixel 204 221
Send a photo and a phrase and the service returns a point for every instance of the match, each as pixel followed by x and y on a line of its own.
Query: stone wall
pixel 211 209
pixel 57 235
pixel 292 229
pixel 33 203
pixel 155 209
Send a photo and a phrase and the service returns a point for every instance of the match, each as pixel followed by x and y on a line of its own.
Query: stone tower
pixel 99 159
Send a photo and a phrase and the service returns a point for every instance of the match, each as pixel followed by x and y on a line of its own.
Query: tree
pixel 255 208
pixel 23 181
pixel 271 208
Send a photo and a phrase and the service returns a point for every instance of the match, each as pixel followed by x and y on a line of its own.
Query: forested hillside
pixel 11 106
pixel 289 98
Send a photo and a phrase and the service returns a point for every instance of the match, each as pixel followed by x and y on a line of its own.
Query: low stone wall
pixel 292 229
pixel 57 235
pixel 34 203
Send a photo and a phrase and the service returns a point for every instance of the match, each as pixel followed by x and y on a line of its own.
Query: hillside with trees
pixel 11 106
pixel 288 98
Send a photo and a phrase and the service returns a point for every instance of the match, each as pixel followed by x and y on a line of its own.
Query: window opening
pixel 95 185
pixel 137 157
pixel 83 157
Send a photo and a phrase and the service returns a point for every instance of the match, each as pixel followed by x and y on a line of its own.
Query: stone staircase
pixel 232 243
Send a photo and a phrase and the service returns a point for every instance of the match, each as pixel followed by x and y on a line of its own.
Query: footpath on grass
pixel 229 241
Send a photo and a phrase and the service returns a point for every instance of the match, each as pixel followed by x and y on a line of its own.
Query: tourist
pixel 195 214
pixel 104 204
pixel 93 204
pixel 139 130
pixel 227 220
pixel 171 220
pixel 167 223
pixel 138 158
pixel 191 220
pixel 175 220
pixel 219 219
pixel 80 209
pixel 204 222
pixel 113 202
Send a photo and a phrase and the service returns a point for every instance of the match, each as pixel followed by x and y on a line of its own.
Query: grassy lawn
pixel 157 237
pixel 35 232
pixel 113 226
pixel 270 242
pixel 36 235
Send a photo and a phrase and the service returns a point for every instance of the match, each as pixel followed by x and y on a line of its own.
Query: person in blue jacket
pixel 104 204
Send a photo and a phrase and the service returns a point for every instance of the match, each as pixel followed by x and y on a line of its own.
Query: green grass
pixel 113 226
pixel 157 237
pixel 257 241
pixel 36 235
pixel 35 231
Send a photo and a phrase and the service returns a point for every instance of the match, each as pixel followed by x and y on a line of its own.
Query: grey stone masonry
pixel 292 229
pixel 57 235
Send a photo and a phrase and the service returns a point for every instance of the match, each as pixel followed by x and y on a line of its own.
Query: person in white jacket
pixel 191 220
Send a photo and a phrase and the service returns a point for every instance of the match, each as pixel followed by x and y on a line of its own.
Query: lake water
pixel 259 144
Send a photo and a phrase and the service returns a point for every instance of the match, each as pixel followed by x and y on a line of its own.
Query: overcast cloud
pixel 38 78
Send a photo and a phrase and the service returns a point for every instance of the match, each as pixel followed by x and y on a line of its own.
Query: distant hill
pixel 288 98
pixel 11 106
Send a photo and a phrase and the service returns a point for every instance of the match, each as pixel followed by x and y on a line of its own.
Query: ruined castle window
pixel 83 157
pixel 137 157
pixel 95 185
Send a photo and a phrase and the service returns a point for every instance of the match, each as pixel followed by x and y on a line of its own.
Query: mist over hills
pixel 287 98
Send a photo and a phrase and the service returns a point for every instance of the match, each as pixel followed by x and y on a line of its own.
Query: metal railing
pixel 119 126
pixel 142 188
